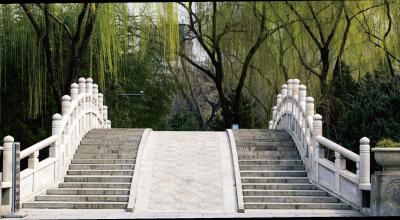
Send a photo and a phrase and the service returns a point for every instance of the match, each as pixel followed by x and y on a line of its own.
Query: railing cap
pixel 105 107
pixel 296 81
pixel 309 99
pixel 95 86
pixel 8 139
pixel 74 86
pixel 89 80
pixel 284 86
pixel 66 98
pixel 100 95
pixel 57 117
pixel 81 80
pixel 317 117
pixel 290 81
pixel 302 87
pixel 364 140
pixel 279 95
pixel 274 108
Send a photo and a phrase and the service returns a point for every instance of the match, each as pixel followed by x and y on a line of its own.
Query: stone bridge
pixel 95 171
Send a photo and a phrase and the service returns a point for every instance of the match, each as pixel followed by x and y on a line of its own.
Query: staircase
pixel 100 173
pixel 273 175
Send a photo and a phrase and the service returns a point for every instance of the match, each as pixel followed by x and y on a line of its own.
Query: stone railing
pixel 295 113
pixel 81 112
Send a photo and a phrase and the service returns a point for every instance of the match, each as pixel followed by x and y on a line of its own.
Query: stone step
pixel 271 167
pixel 105 156
pixel 106 146
pixel 289 199
pixel 101 166
pixel 111 142
pixel 75 205
pixel 252 147
pixel 113 185
pixel 106 151
pixel 103 161
pixel 267 153
pixel 278 186
pixel 80 178
pixel 83 198
pixel 281 173
pixel 100 172
pixel 275 180
pixel 260 192
pixel 270 162
pixel 268 143
pixel 268 157
pixel 87 191
pixel 341 206
pixel 95 137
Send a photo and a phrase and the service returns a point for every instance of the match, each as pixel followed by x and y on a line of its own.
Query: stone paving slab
pixel 123 214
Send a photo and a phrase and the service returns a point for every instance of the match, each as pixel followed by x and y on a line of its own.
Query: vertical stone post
pixel 108 124
pixel 82 85
pixel 284 90
pixel 340 164
pixel 302 96
pixel 318 151
pixel 66 104
pixel 274 111
pixel 290 87
pixel 95 91
pixel 33 160
pixel 309 117
pixel 364 172
pixel 105 115
pixel 74 91
pixel 295 88
pixel 278 99
pixel 55 130
pixel 7 158
pixel 270 125
pixel 100 102
pixel 89 85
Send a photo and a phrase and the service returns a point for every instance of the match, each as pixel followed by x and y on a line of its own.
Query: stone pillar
pixel 295 88
pixel 278 99
pixel 284 91
pixel 82 85
pixel 340 164
pixel 317 151
pixel 274 111
pixel 105 115
pixel 309 116
pixel 270 125
pixel 66 104
pixel 290 87
pixel 7 159
pixel 302 96
pixel 89 85
pixel 33 160
pixel 95 90
pixel 74 91
pixel 364 172
pixel 100 102
pixel 108 124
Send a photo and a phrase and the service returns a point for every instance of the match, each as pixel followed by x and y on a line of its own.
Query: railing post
pixel 274 111
pixel 302 96
pixel 33 160
pixel 270 125
pixel 278 99
pixel 340 164
pixel 290 87
pixel 82 85
pixel 284 90
pixel 66 104
pixel 74 91
pixel 318 151
pixel 7 158
pixel 89 85
pixel 108 124
pixel 364 170
pixel 309 116
pixel 55 130
pixel 105 115
pixel 295 88
pixel 100 104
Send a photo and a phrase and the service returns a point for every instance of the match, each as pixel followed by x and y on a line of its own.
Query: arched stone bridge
pixel 104 172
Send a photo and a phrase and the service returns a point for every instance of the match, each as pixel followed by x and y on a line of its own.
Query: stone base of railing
pixel 385 193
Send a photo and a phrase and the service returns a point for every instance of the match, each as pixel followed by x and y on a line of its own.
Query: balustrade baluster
pixel 364 165
pixel 318 150
pixel 295 88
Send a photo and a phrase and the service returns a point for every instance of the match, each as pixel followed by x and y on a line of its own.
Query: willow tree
pixel 215 24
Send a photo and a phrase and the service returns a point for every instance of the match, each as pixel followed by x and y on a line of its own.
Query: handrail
pixel 81 112
pixel 295 113
pixel 337 148
pixel 38 146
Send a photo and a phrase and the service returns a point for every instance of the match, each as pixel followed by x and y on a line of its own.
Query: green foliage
pixel 371 111
pixel 388 143
pixel 183 120
pixel 148 75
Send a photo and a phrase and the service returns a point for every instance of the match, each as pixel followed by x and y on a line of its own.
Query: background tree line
pixel 203 66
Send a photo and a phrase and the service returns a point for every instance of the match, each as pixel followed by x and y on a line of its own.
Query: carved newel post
pixel 318 151
pixel 7 170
